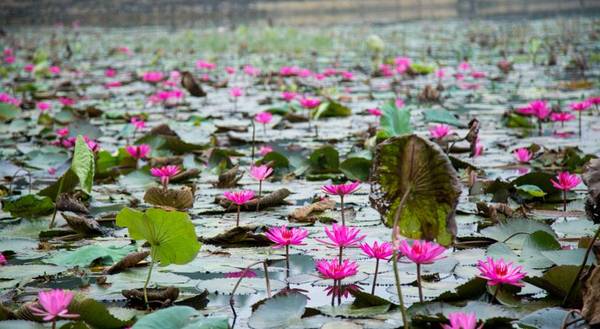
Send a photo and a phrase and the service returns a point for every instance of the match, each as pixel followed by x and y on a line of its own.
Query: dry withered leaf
pixel 179 199
pixel 494 211
pixel 185 175
pixel 82 225
pixel 165 161
pixel 164 296
pixel 273 199
pixel 69 202
pixel 309 212
pixel 591 298
pixel 473 136
pixel 229 178
pixel 128 261
pixel 198 302
pixel 429 94
pixel 591 178
pixel 241 236
pixel 191 85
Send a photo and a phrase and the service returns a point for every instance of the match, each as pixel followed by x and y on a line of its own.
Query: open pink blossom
pixel 112 84
pixel 464 66
pixel 205 65
pixel 580 106
pixel 288 96
pixel 565 181
pixel 440 131
pixel 110 72
pixel 500 272
pixel 263 117
pixel 66 101
pixel 230 70
pixel 63 132
pixel 152 76
pixel 9 59
pixel 386 70
pixel 54 304
pixel 421 251
pixel 341 189
pixel 264 150
pixel 260 172
pixel 594 100
pixel 28 67
pixel 3 260
pixel 478 74
pixel 378 251
pixel 399 103
pixel 251 70
pixel 540 109
pixel 347 75
pixel 523 155
pixel 334 270
pixel 236 92
pixel 440 73
pixel 288 71
pixel 43 106
pixel 561 116
pixel 341 236
pixel 138 123
pixel 460 320
pixel 165 173
pixel 283 236
pixel 376 112
pixel 54 70
pixel 309 102
pixel 138 151
pixel 8 52
pixel 239 197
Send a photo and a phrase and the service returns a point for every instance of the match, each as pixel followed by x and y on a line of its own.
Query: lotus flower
pixel 205 65
pixel 523 155
pixel 376 112
pixel 561 117
pixel 263 117
pixel 440 131
pixel 284 237
pixel 165 173
pixel 399 103
pixel 239 198
pixel 110 72
pixel 152 76
pixel 378 251
pixel 28 67
pixel 288 96
pixel 43 106
pixel 260 173
pixel 464 66
pixel 341 190
pixel 421 252
pixel 54 304
pixel 3 260
pixel 565 181
pixel 230 70
pixel 54 70
pixel 309 103
pixel 264 150
pixel 580 107
pixel 251 70
pixel 63 132
pixel 66 101
pixel 138 123
pixel 459 320
pixel 138 151
pixel 498 272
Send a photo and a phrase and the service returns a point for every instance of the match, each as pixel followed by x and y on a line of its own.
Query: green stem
pixel 496 293
pixel 237 221
pixel 405 319
pixel 343 217
pixel 585 258
pixel 565 201
pixel 287 260
pixel 253 139
pixel 266 269
pixel 147 281
pixel 580 124
pixel 375 278
pixel 419 282
pixel 259 193
pixel 54 324
pixel 60 186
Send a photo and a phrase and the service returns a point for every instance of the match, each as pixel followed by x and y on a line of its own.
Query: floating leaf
pixel 394 121
pixel 280 311
pixel 516 231
pixel 356 168
pixel 325 159
pixel 83 165
pixel 180 317
pixel 171 234
pixel 413 165
pixel 86 255
pixel 532 190
pixel 443 116
pixel 28 206
pixel 8 111
pixel 331 109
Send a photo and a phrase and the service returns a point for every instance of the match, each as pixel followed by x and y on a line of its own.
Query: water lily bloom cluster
pixel 53 304
pixel 460 320
pixel 498 272
pixel 138 151
pixel 165 173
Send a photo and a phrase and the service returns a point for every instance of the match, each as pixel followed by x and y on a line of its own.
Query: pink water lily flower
pixel 440 131
pixel 264 150
pixel 263 117
pixel 478 74
pixel 399 103
pixel 379 251
pixel 580 106
pixel 523 155
pixel 565 181
pixel 205 65
pixel 341 190
pixel 110 72
pixel 239 198
pixel 540 109
pixel 54 70
pixel 112 84
pixel 459 320
pixel 376 112
pixel 236 92
pixel 341 236
pixel 54 304
pixel 309 103
pixel 66 101
pixel 251 70
pixel 561 116
pixel 421 251
pixel 440 73
pixel 43 106
pixel 28 67
pixel 464 66
pixel 165 173
pixel 283 236
pixel 498 272
pixel 386 70
pixel 3 260
pixel 138 123
pixel 260 173
pixel 138 151
pixel 288 96
pixel 152 76
pixel 230 70
pixel 346 75
pixel 334 270
pixel 63 132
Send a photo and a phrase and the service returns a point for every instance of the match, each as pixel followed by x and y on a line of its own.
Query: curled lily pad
pixel 418 168
pixel 179 199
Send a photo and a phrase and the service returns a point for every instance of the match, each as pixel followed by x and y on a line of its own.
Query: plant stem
pixel 405 319
pixel 237 221
pixel 580 124
pixel 253 138
pixel 54 324
pixel 287 260
pixel 565 201
pixel 148 280
pixel 259 193
pixel 419 282
pixel 333 292
pixel 375 278
pixel 266 269
pixel 496 293
pixel 60 186
pixel 585 258
pixel 343 217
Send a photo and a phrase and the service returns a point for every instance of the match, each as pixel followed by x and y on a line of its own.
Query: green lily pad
pixel 86 255
pixel 279 311
pixel 28 206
